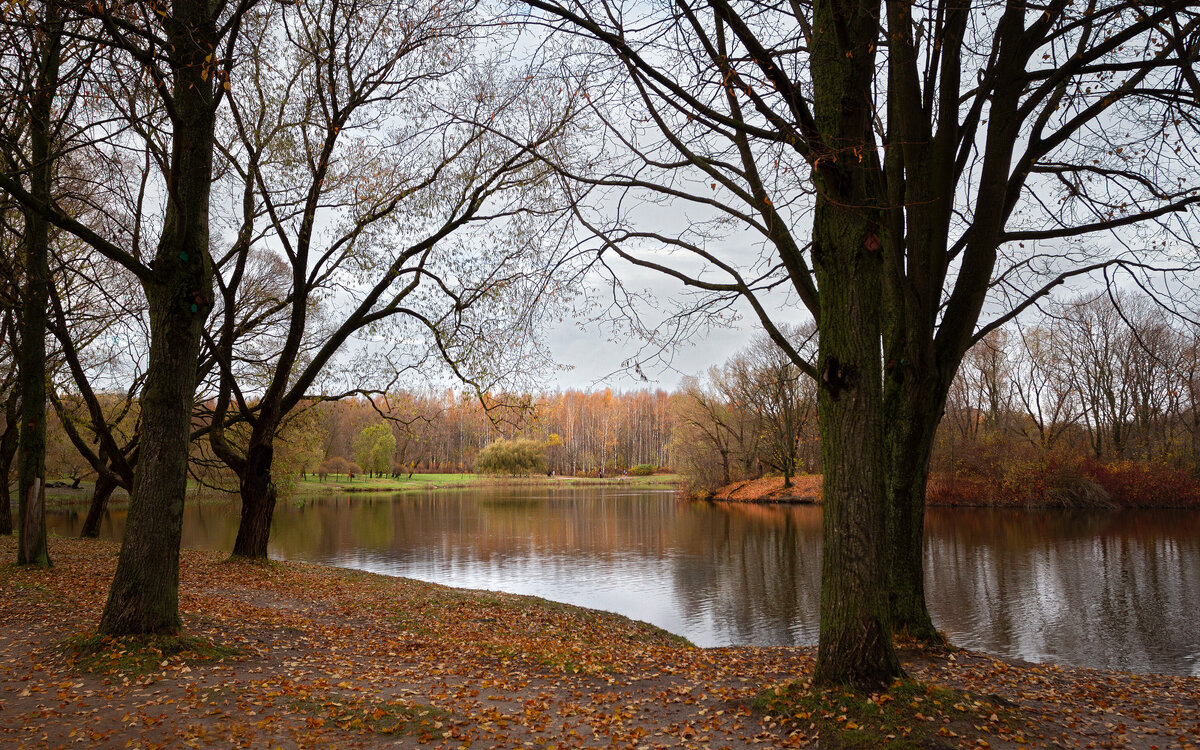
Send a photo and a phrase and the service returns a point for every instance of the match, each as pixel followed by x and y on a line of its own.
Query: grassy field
pixel 57 495
pixel 421 482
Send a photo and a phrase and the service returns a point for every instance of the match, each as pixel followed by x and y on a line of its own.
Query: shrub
pixel 516 457
pixel 1052 482
pixel 947 489
pixel 643 470
pixel 1146 484
pixel 1030 481
pixel 335 465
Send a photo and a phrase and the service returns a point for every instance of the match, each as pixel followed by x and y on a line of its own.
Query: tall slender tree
pixel 12 415
pixel 182 50
pixel 46 42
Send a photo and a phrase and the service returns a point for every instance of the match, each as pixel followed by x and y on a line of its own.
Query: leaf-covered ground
pixel 805 489
pixel 292 655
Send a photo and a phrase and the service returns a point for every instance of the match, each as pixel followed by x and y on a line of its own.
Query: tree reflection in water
pixel 1116 589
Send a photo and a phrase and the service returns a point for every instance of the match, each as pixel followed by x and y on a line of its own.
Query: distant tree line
pixel 754 414
pixel 1095 401
pixel 588 433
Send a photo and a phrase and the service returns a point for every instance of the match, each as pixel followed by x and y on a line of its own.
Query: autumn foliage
pixel 297 655
pixel 515 457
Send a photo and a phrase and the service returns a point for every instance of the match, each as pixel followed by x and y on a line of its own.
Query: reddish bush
pixel 952 489
pixel 1067 482
pixel 1146 484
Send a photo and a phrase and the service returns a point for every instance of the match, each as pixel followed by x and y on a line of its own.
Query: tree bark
pixel 100 495
pixel 31 453
pixel 8 451
pixel 910 433
pixel 855 643
pixel 258 504
pixel 855 632
pixel 144 597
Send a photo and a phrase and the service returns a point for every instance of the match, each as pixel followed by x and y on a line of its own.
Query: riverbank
pixel 804 489
pixel 307 656
pixel 1105 487
pixel 60 494
pixel 423 482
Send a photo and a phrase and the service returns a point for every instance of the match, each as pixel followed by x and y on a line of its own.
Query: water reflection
pixel 1092 589
pixel 1114 589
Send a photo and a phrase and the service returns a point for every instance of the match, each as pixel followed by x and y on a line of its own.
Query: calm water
pixel 1115 590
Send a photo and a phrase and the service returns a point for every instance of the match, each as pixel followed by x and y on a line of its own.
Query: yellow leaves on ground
pixel 296 655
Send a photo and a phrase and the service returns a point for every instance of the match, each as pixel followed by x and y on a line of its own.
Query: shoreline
pixel 317 655
pixel 60 497
pixel 416 484
pixel 765 491
pixel 807 490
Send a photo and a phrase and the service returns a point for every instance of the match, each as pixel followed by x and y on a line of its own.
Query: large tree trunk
pixel 145 591
pixel 258 504
pixel 144 597
pixel 855 643
pixel 31 458
pixel 100 495
pixel 8 451
pixel 855 638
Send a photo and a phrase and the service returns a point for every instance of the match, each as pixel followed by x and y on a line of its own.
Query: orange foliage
pixel 1067 482
pixel 1146 484
pixel 804 489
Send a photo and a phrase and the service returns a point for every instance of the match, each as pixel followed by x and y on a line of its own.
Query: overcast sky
pixel 589 356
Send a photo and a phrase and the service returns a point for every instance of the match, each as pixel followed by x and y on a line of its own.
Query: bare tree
pixel 361 164
pixel 98 319
pixel 31 79
pixel 766 383
pixel 705 435
pixel 897 166
pixel 11 396
pixel 1189 368
pixel 1043 386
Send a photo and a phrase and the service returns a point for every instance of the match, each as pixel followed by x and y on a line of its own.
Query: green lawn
pixel 418 482
pixel 441 481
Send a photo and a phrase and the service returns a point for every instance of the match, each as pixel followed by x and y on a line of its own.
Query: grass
pixel 907 716
pixel 421 482
pixel 137 655
pixel 59 496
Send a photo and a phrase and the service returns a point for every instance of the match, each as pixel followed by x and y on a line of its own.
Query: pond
pixel 1099 589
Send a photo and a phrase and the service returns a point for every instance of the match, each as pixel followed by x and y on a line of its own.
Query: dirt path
pixel 334 658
